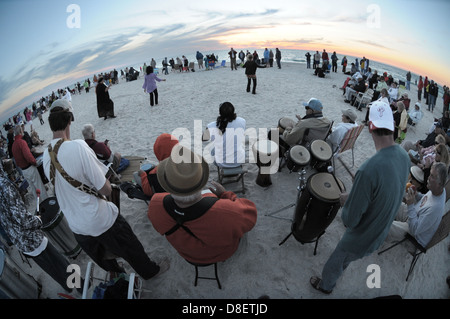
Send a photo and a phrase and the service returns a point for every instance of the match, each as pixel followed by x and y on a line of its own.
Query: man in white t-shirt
pixel 227 134
pixel 96 223
pixel 349 117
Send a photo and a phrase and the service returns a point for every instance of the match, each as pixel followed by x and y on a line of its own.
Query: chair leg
pixel 200 277
pixel 397 243
pixel 413 263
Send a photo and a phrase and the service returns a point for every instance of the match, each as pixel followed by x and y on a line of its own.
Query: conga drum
pixel 285 122
pixel 55 226
pixel 321 154
pixel 316 207
pixel 267 160
pixel 297 157
pixel 14 282
pixel 40 168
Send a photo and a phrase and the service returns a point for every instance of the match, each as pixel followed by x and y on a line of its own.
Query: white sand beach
pixel 260 266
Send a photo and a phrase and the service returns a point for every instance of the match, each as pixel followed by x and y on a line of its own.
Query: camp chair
pixel 312 134
pixel 440 234
pixel 176 67
pixel 222 65
pixel 348 143
pixel 232 175
pixel 363 98
pixel 134 283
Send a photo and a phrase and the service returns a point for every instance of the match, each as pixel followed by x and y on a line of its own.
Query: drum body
pixel 285 122
pixel 40 168
pixel 55 226
pixel 297 157
pixel 14 282
pixel 321 154
pixel 316 207
pixel 267 160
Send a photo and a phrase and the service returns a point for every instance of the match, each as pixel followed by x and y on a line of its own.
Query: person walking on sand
pixel 250 70
pixel 370 208
pixel 149 85
pixel 278 57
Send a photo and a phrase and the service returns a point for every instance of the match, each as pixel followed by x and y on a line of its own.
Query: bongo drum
pixel 297 157
pixel 55 225
pixel 321 154
pixel 14 282
pixel 316 207
pixel 265 151
pixel 285 122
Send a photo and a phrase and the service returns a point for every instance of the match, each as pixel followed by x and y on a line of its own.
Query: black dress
pixel 105 106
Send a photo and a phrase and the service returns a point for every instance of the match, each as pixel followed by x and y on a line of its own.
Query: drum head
pixel 321 150
pixel 323 186
pixel 299 155
pixel 48 210
pixel 264 147
pixel 285 122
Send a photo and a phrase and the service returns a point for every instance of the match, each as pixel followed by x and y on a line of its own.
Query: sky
pixel 49 44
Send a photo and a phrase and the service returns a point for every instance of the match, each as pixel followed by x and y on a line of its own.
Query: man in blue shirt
pixel 371 206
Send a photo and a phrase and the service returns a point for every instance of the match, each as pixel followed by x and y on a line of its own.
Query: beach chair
pixel 191 66
pixel 222 65
pixel 134 289
pixel 440 234
pixel 312 134
pixel 363 98
pixel 176 67
pixel 348 143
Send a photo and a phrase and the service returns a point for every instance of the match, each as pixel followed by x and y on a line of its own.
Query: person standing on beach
pixel 308 60
pixel 344 64
pixel 105 106
pixel 334 60
pixel 250 70
pixel 233 56
pixel 419 89
pixel 98 227
pixel 278 57
pixel 316 60
pixel 271 56
pixel 149 85
pixel 370 208
pixel 199 57
pixel 408 80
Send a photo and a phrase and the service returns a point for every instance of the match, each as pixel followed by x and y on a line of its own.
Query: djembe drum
pixel 265 151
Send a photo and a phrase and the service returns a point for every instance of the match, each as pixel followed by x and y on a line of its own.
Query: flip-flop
pixel 134 191
pixel 315 282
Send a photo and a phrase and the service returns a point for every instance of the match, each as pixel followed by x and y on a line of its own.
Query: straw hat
pixel 183 173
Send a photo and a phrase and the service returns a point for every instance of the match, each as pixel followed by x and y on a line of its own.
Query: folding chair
pixel 232 175
pixel 440 234
pixel 348 143
pixel 134 283
pixel 363 98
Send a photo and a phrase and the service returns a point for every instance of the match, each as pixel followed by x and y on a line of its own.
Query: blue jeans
pixel 335 266
pixel 432 100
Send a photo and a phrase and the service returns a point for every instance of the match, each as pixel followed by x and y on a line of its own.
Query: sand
pixel 260 266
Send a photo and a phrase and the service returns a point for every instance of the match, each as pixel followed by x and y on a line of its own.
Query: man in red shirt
pixel 27 163
pixel 208 227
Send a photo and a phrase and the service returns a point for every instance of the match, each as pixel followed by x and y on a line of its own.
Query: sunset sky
pixel 46 43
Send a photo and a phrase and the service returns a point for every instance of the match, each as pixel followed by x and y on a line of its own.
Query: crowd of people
pixel 376 209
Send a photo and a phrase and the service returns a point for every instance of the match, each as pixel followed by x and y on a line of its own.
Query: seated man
pixel 424 212
pixel 214 223
pixel 349 117
pixel 352 90
pixel 148 179
pixel 103 151
pixel 301 133
pixel 406 101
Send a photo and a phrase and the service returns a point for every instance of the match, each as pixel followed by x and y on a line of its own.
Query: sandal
pixel 315 282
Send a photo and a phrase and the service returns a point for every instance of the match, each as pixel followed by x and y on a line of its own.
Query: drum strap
pixel 55 163
pixel 182 215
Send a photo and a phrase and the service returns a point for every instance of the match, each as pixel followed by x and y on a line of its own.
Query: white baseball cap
pixel 380 116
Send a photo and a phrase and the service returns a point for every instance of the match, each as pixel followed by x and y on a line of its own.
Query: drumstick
pixel 38 193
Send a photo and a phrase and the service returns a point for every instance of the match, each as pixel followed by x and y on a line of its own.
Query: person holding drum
pixel 313 119
pixel 81 188
pixel 349 117
pixel 372 204
pixel 25 231
pixel 228 136
pixel 204 228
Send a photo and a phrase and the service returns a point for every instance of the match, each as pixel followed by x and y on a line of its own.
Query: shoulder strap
pixel 181 215
pixel 55 163
pixel 154 184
